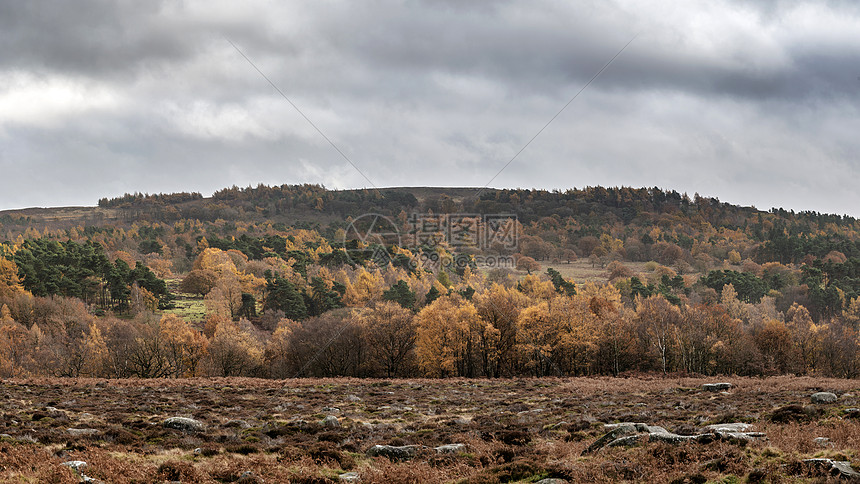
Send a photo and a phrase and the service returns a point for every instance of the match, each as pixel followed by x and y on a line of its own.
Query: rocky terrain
pixel 474 431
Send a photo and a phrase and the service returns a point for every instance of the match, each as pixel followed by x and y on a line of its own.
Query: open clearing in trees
pixel 316 431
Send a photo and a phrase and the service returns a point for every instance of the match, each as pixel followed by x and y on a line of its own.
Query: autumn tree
pixel 658 320
pixel 500 307
pixel 557 335
pixel 233 351
pixel 773 340
pixel 528 264
pixel 329 345
pixel 199 281
pixel 447 335
pixel 391 333
pixel 183 345
pixel 13 345
pixel 10 285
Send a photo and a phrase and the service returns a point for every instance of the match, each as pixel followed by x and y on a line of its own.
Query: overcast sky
pixel 754 104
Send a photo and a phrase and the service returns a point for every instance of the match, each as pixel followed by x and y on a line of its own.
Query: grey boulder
pixel 184 424
pixel 823 397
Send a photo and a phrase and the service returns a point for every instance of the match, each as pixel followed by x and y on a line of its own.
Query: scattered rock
pixel 248 477
pixel 837 468
pixel 75 465
pixel 331 410
pixel 184 424
pixel 716 387
pixel 451 449
pixel 353 398
pixel 628 441
pixel 349 477
pixel 80 432
pixel 629 434
pixel 617 431
pixel 740 436
pixel 823 397
pixel 551 480
pixel 822 441
pixel 393 452
pixel 331 421
pixel 728 427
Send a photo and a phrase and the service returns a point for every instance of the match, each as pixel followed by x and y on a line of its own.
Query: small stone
pixel 353 398
pixel 248 477
pixel 331 410
pixel 80 432
pixel 551 480
pixel 716 387
pixel 823 397
pixel 349 477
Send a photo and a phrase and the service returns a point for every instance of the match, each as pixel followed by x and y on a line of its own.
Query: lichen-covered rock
pixel 823 397
pixel 716 387
pixel 81 432
pixel 822 441
pixel 835 468
pixel 76 465
pixel 331 421
pixel 450 449
pixel 394 452
pixel 349 477
pixel 617 431
pixel 728 427
pixel 628 441
pixel 629 434
pixel 184 424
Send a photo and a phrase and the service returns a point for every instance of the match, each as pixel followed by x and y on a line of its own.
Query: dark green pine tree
pixel 562 285
pixel 401 294
pixel 320 298
pixel 282 295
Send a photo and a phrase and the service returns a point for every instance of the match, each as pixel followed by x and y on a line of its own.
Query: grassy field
pixel 519 430
pixel 189 307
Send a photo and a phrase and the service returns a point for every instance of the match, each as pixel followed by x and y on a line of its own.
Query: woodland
pixel 270 282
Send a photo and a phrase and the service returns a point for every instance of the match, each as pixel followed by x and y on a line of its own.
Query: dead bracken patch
pixel 510 430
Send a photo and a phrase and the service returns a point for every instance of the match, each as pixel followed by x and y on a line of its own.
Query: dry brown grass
pixel 514 430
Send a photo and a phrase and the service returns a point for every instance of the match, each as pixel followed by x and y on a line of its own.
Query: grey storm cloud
pixel 755 104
